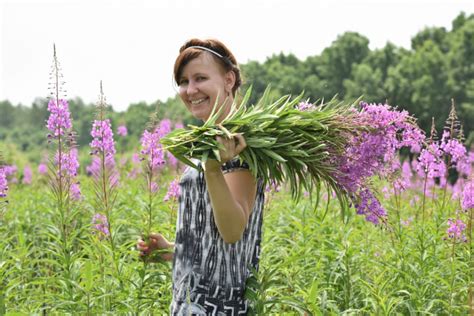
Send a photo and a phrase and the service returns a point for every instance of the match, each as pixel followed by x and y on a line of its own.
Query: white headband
pixel 208 50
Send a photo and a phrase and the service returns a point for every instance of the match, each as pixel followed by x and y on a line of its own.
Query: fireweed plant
pixel 3 188
pixel 171 198
pixel 467 204
pixel 455 154
pixel 152 160
pixel 333 144
pixel 151 155
pixel 3 206
pixel 440 159
pixel 105 175
pixel 63 185
pixel 27 175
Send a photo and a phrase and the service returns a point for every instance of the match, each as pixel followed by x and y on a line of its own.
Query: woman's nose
pixel 192 88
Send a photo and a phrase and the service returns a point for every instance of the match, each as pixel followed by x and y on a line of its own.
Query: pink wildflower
pixel 69 162
pixel 136 158
pixel 468 196
pixel 370 206
pixel 42 169
pixel 151 149
pixel 103 141
pixel 456 229
pixel 430 162
pixel 100 225
pixel 407 222
pixel 305 106
pixel 76 191
pixel 164 127
pixel 27 175
pixel 454 149
pixel 95 169
pixel 10 170
pixel 122 130
pixel 173 191
pixel 154 187
pixel 273 186
pixel 60 119
pixel 374 152
pixel 171 159
pixel 3 183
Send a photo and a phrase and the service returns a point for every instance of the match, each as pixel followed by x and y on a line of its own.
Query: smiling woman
pixel 218 230
pixel 206 76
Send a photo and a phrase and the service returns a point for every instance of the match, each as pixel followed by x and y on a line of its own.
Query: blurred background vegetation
pixel 438 67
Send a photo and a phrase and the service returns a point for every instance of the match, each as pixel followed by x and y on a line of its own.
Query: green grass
pixel 324 264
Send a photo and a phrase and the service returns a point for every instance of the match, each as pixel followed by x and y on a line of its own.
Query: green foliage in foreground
pixel 312 260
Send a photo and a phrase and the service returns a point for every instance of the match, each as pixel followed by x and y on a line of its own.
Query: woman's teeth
pixel 194 102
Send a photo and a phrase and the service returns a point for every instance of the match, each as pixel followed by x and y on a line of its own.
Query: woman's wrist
pixel 168 256
pixel 212 166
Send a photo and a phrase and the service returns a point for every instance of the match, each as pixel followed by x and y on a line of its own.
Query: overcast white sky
pixel 131 45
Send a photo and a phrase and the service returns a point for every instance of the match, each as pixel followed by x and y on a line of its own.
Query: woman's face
pixel 202 83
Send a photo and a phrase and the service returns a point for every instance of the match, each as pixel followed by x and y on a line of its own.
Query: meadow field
pixel 386 228
pixel 316 258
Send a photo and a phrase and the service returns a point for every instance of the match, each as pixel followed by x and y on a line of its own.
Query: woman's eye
pixel 183 82
pixel 200 78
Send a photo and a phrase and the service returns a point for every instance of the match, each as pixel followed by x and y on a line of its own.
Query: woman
pixel 219 222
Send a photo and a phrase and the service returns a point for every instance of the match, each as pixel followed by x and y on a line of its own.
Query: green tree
pixel 419 83
pixel 337 61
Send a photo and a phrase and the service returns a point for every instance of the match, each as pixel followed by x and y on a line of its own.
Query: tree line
pixel 438 68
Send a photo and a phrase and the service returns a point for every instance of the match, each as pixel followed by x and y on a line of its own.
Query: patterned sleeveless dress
pixel 209 275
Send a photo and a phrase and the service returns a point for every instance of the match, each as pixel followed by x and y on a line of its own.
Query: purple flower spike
pixel 3 183
pixel 468 196
pixel 100 225
pixel 154 187
pixel 60 119
pixel 42 169
pixel 305 106
pixel 430 162
pixel 76 191
pixel 69 162
pixel 370 207
pixel 456 229
pixel 164 127
pixel 151 148
pixel 455 149
pixel 173 191
pixel 103 138
pixel 272 187
pixel 27 175
pixel 122 130
pixel 171 159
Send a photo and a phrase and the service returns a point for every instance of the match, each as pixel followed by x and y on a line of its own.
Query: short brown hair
pixel 188 53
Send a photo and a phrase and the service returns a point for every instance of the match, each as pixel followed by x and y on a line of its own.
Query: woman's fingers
pixel 232 146
pixel 241 143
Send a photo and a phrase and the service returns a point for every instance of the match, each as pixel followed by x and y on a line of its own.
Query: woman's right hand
pixel 155 242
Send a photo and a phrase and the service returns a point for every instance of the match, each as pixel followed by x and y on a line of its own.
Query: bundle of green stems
pixel 284 143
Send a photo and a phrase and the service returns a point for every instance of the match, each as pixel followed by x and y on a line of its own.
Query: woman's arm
pixel 232 194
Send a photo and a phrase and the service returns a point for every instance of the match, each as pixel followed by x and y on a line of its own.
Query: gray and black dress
pixel 209 275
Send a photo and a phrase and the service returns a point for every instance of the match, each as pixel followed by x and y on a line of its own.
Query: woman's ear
pixel 229 81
